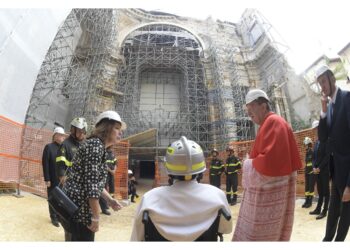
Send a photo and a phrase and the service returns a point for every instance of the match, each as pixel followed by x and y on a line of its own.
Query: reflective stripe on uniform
pixel 231 192
pixel 184 167
pixel 309 164
pixel 111 161
pixel 234 164
pixel 64 159
pixel 216 167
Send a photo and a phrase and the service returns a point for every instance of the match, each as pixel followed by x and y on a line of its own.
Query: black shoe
pixel 308 205
pixel 106 212
pixel 316 211
pixel 137 196
pixel 133 201
pixel 322 215
pixel 55 223
pixel 233 203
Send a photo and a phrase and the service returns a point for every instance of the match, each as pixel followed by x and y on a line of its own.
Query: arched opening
pixel 163 88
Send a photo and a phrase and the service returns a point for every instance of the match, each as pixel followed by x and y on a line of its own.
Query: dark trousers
pixel 338 219
pixel 81 233
pixel 53 215
pixel 110 183
pixel 323 190
pixel 215 180
pixel 309 184
pixel 231 184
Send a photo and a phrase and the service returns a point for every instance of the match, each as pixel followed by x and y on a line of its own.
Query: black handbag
pixel 62 204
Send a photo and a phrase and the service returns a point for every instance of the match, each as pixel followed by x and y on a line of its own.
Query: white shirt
pixel 183 211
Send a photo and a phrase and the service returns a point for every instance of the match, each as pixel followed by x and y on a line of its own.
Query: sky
pixel 308 28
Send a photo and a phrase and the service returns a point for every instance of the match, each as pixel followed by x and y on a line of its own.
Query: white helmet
pixel 254 94
pixel 111 115
pixel 184 157
pixel 315 124
pixel 307 140
pixel 129 171
pixel 79 122
pixel 321 70
pixel 58 130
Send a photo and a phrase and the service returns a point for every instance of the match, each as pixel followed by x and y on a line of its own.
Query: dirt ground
pixel 27 219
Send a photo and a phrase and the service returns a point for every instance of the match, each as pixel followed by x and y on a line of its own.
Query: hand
pixel 114 204
pixel 94 226
pixel 346 195
pixel 48 184
pixel 324 102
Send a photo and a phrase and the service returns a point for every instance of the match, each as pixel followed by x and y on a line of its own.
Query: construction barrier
pixel 21 149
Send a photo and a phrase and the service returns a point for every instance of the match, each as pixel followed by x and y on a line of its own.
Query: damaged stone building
pixel 166 75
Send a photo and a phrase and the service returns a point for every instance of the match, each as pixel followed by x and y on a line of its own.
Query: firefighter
pixel 216 169
pixel 48 163
pixel 132 186
pixel 110 163
pixel 232 167
pixel 69 147
pixel 309 174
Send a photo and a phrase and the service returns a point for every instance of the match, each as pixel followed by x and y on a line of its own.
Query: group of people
pixel 184 210
pixel 230 168
pixel 81 166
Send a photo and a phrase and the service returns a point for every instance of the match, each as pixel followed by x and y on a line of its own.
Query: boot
pixel 234 200
pixel 228 197
pixel 132 198
pixel 305 202
pixel 316 211
pixel 308 202
pixel 322 214
pixel 318 207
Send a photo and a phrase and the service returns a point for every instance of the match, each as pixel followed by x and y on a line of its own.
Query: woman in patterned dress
pixel 87 177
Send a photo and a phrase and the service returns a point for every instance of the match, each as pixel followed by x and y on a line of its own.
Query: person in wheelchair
pixel 186 210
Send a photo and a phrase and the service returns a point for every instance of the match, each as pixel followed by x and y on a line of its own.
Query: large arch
pixel 163 84
pixel 125 34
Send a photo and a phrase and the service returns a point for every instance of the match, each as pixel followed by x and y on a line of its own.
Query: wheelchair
pixel 211 234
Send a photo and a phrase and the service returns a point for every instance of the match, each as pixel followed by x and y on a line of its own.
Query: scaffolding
pixel 78 74
pixel 163 84
pixel 159 77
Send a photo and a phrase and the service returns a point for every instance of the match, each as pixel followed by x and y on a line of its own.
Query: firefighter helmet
pixel 254 94
pixel 214 150
pixel 129 171
pixel 111 115
pixel 307 140
pixel 79 122
pixel 229 148
pixel 58 130
pixel 315 124
pixel 184 158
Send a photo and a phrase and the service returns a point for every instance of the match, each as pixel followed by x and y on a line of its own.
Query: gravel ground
pixel 27 219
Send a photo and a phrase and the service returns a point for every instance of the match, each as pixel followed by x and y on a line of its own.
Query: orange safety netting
pixel 21 149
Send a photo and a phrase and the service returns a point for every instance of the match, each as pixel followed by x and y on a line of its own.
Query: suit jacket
pixel 337 139
pixel 321 159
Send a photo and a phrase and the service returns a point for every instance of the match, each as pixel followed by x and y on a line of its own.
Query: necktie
pixel 329 114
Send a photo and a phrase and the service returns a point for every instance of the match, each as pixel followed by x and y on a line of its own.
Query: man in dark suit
pixel 334 130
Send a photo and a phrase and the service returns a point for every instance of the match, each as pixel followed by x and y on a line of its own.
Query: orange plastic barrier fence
pixel 21 149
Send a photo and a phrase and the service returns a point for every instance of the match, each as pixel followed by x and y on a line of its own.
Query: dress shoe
pixel 106 212
pixel 316 211
pixel 55 223
pixel 322 215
